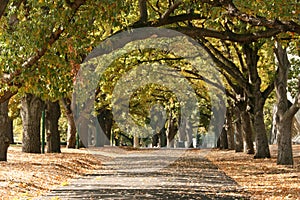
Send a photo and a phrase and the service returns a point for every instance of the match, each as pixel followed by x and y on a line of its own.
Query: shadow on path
pixel 153 175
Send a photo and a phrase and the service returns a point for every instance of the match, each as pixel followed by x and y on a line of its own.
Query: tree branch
pixel 228 35
pixel 268 90
pixel 170 10
pixel 7 95
pixel 283 26
pixel 3 5
pixel 225 64
pixel 143 11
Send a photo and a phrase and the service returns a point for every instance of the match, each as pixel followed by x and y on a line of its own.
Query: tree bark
pixel 285 150
pixel 31 113
pixel 223 140
pixel 262 145
pixel 52 132
pixel 105 119
pixel 257 101
pixel 247 132
pixel 155 140
pixel 171 130
pixel 11 131
pixel 71 133
pixel 285 113
pixel 163 137
pixel 4 130
pixel 239 146
pixel 230 129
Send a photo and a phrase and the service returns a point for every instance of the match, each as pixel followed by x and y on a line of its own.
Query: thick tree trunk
pixel 247 132
pixel 285 151
pixel 31 113
pixel 285 113
pixel 262 145
pixel 53 135
pixel 257 101
pixel 71 133
pixel 4 130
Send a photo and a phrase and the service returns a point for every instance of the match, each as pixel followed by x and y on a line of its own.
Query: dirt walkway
pixel 152 174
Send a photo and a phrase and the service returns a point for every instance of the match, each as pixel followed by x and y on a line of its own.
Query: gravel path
pixel 152 174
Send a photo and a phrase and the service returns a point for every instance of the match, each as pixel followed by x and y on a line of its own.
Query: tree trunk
pixel 285 151
pixel 105 119
pixel 257 100
pixel 285 113
pixel 247 132
pixel 31 113
pixel 4 130
pixel 11 131
pixel 53 135
pixel 189 134
pixel 171 131
pixel 155 140
pixel 223 140
pixel 262 145
pixel 71 133
pixel 229 129
pixel 136 142
pixel 163 137
pixel 273 136
pixel 239 146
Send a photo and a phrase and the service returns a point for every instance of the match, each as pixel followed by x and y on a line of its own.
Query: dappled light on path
pixel 137 175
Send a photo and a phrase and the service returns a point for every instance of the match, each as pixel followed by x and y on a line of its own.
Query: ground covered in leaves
pixel 262 178
pixel 28 175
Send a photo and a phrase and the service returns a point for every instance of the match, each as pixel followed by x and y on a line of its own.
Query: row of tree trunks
pixel 4 130
pixel 237 130
pixel 31 113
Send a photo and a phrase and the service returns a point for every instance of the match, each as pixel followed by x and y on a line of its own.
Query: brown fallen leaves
pixel 262 178
pixel 29 175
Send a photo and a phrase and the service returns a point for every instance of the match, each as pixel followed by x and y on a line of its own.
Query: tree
pixel 285 113
pixel 15 59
